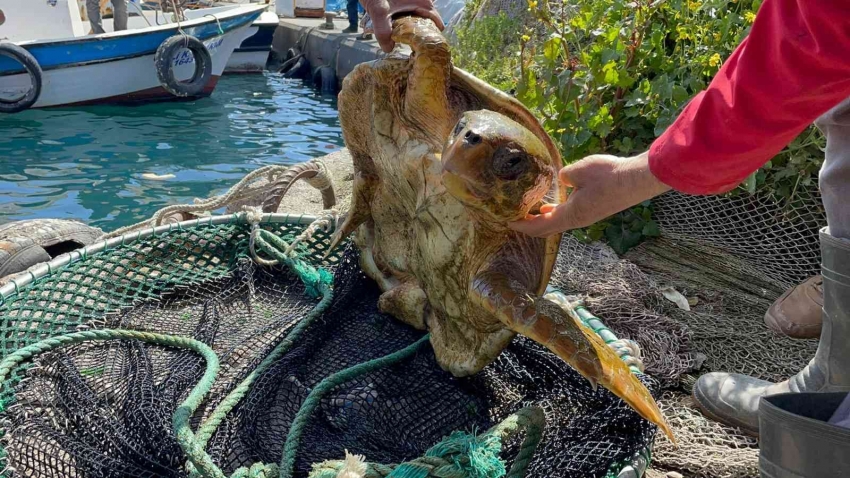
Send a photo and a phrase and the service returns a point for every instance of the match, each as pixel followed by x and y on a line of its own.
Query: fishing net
pixel 85 406
pixel 731 257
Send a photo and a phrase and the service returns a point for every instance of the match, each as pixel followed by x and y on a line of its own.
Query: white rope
pixel 177 16
pixel 322 179
pixel 253 216
pixel 220 30
pixel 327 222
pixel 630 352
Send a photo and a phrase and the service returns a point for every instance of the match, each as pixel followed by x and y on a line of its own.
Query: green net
pixel 173 352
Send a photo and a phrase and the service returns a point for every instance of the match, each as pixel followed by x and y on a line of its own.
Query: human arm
pixel 793 67
pixel 382 11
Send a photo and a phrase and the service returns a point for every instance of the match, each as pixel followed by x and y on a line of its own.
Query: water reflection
pixel 88 163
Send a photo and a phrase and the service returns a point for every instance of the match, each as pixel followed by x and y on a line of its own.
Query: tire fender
pixel 164 63
pixel 30 64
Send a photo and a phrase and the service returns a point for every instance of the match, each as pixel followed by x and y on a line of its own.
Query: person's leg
pixel 835 174
pixel 93 12
pixel 352 16
pixel 734 398
pixel 119 15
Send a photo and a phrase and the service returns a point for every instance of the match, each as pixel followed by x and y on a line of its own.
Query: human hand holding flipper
pixel 382 13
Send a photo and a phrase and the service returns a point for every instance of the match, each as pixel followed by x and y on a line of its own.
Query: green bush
pixel 610 76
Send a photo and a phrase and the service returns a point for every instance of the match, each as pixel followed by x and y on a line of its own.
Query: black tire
pixel 288 64
pixel 324 79
pixel 30 242
pixel 292 53
pixel 164 63
pixel 29 63
pixel 297 67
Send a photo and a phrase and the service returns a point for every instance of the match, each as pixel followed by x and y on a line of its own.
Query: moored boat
pixel 253 54
pixel 48 59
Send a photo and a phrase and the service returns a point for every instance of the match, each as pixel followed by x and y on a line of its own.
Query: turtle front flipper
pixel 426 100
pixel 549 325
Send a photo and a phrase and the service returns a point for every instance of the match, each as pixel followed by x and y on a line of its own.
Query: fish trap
pixel 226 347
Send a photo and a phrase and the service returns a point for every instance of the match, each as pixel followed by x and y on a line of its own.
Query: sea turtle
pixel 443 162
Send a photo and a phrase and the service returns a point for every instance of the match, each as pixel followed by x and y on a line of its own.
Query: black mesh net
pixel 104 409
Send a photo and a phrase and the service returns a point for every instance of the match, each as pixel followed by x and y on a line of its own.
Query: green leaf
pixel 650 229
pixel 552 48
pixel 581 235
pixel 614 236
pixel 612 76
pixel 679 94
pixel 596 231
pixel 612 34
pixel 750 183
pixel 662 124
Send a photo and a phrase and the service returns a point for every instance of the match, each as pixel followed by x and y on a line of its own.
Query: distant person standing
pixel 119 15
pixel 352 16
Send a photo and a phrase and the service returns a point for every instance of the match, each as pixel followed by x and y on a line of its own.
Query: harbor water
pixel 90 163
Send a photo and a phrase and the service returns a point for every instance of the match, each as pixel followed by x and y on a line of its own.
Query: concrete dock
pixel 325 47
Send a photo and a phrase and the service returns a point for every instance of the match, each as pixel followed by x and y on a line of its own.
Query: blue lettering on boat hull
pixel 185 57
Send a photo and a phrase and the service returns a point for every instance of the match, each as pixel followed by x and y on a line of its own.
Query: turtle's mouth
pixel 459 188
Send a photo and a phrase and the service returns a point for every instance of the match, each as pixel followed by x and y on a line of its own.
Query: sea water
pixel 89 163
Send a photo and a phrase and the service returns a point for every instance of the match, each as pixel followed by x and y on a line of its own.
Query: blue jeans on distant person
pixel 352 14
pixel 119 15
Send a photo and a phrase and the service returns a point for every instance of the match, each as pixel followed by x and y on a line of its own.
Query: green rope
pixel 461 455
pixel 296 430
pixel 180 420
pixel 321 282
pixel 317 282
pixel 200 463
pixel 458 456
pixel 273 245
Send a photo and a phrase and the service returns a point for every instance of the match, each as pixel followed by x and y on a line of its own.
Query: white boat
pixel 75 68
pixel 253 54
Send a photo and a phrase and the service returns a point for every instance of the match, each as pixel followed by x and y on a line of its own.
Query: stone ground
pixel 302 198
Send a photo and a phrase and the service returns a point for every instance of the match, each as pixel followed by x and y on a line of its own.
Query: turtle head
pixel 495 165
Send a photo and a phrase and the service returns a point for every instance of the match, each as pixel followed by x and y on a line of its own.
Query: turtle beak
pixel 462 163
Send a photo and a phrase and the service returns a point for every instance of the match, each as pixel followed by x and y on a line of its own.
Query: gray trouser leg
pixel 835 174
pixel 119 9
pixel 93 12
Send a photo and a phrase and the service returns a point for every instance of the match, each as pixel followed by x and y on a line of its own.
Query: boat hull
pixel 91 76
pixel 243 62
pixel 252 56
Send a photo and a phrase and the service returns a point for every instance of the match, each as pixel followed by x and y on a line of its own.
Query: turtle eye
pixel 459 127
pixel 510 163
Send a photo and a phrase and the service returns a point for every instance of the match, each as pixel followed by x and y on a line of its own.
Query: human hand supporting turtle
pixel 603 185
pixel 382 12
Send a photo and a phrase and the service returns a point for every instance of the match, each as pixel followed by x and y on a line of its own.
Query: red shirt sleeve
pixel 792 67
